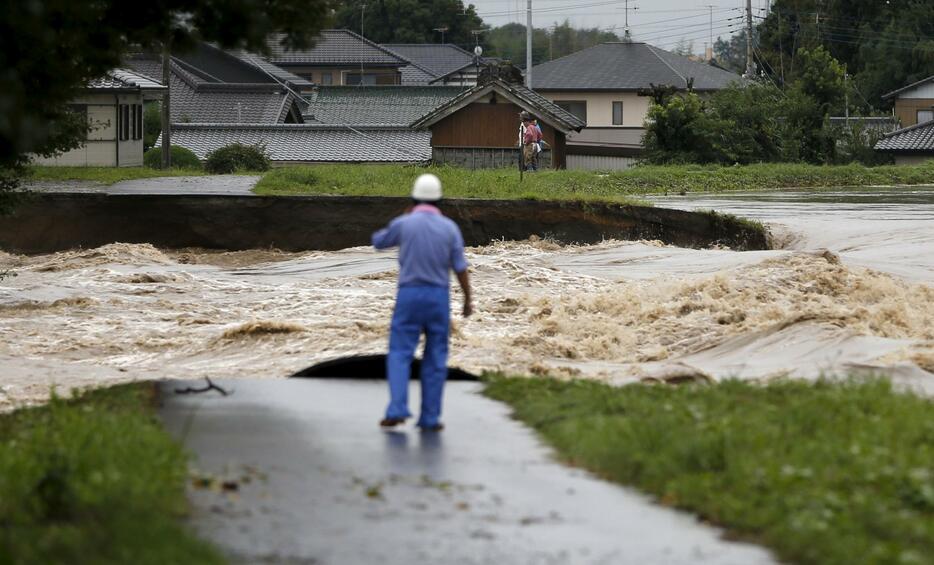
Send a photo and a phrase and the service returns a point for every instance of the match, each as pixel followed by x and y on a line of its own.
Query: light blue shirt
pixel 430 246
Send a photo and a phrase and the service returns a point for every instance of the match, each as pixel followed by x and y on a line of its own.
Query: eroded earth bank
pixel 850 291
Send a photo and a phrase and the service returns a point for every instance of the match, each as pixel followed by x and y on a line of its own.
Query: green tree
pixel 411 21
pixel 731 53
pixel 51 48
pixel 682 131
pixel 508 41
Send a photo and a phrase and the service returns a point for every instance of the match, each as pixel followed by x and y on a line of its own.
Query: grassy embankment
pixel 94 480
pixel 820 473
pixel 106 175
pixel 395 180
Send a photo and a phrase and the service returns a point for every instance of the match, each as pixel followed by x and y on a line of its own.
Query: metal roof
pixel 438 59
pixel 386 105
pixel 918 138
pixel 627 66
pixel 123 79
pixel 333 47
pixel 528 100
pixel 309 142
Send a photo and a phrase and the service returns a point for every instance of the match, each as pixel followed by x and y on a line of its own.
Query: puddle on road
pixel 617 310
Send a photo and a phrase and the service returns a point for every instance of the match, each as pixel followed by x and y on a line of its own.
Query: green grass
pixel 395 180
pixel 821 473
pixel 94 480
pixel 106 175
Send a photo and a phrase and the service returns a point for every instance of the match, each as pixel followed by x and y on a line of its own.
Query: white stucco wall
pixel 925 90
pixel 600 106
pixel 100 150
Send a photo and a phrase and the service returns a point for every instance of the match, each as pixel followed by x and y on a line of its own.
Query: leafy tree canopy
pixel 508 41
pixel 49 49
pixel 411 21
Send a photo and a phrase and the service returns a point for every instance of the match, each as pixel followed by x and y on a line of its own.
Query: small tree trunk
pixel 166 121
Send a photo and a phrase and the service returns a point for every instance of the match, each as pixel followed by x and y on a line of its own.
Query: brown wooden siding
pixel 560 151
pixel 483 125
pixel 907 109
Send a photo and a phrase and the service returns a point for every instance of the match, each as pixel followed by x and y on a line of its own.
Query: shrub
pixel 237 157
pixel 152 124
pixel 181 158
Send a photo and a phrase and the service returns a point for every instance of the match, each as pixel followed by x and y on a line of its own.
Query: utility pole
pixel 708 51
pixel 362 15
pixel 442 29
pixel 750 68
pixel 166 116
pixel 627 36
pixel 528 44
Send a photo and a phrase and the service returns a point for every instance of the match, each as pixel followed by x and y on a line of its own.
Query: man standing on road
pixel 430 246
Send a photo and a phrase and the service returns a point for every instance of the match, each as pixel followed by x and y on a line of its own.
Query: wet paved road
pixel 235 185
pixel 328 487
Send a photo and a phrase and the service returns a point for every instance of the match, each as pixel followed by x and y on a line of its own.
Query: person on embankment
pixel 430 247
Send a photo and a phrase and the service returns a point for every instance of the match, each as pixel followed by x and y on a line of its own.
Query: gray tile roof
pixel 293 81
pixel 199 100
pixel 413 75
pixel 310 143
pixel 123 79
pixel 438 59
pixel 333 47
pixel 371 105
pixel 918 138
pixel 528 100
pixel 626 66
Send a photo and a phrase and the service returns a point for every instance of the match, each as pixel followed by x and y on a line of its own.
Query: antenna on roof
pixel 627 36
pixel 442 29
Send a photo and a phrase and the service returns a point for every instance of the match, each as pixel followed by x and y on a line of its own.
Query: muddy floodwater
pixel 849 290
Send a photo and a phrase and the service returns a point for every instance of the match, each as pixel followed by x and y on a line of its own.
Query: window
pixel 354 78
pixel 137 121
pixel 925 115
pixel 326 78
pixel 617 113
pixel 124 119
pixel 576 107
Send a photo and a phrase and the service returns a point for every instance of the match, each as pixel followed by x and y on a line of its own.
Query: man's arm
pixel 387 237
pixel 464 280
pixel 459 265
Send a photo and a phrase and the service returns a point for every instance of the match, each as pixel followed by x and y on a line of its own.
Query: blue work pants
pixel 418 309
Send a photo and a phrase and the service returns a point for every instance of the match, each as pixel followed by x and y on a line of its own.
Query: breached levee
pixel 51 222
pixel 621 311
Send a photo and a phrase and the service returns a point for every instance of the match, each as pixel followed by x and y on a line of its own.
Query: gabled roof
pixel 123 79
pixel 375 105
pixel 413 75
pixel 438 59
pixel 622 66
pixel 528 100
pixel 200 96
pixel 309 142
pixel 333 47
pixel 280 74
pixel 909 87
pixel 918 138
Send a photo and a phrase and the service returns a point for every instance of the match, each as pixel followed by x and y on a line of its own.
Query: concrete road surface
pixel 310 478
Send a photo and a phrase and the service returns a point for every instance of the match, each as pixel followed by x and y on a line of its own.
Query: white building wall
pixel 101 148
pixel 600 106
pixel 599 163
pixel 925 90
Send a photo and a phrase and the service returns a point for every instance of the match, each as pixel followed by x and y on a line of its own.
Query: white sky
pixel 659 22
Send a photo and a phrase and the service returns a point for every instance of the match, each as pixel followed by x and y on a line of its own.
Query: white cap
pixel 427 188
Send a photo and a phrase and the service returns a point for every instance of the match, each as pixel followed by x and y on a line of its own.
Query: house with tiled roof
pixel 479 128
pixel 113 108
pixel 436 63
pixel 210 85
pixel 338 57
pixel 912 145
pixel 606 86
pixel 913 104
pixel 375 105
